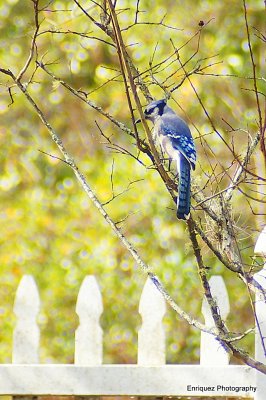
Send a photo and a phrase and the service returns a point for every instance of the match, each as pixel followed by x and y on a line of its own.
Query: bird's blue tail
pixel 183 200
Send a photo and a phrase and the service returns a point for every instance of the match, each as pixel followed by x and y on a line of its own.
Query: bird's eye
pixel 148 112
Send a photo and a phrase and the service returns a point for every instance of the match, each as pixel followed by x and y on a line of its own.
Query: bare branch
pixel 262 126
pixel 242 168
pixel 33 42
pixel 82 34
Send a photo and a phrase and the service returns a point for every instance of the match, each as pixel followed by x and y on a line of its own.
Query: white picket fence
pixel 150 376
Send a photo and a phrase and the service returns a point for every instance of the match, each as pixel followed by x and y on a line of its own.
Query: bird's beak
pixel 137 121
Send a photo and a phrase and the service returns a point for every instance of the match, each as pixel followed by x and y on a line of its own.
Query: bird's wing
pixel 179 136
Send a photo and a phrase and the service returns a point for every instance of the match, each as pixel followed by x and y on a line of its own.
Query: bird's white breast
pixel 166 144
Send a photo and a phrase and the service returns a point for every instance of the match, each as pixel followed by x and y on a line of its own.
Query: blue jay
pixel 175 138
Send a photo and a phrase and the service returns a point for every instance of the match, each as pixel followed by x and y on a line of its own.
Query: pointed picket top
pixel 26 335
pixel 260 250
pixel 89 301
pixel 151 336
pixel 260 247
pixel 27 300
pixel 211 351
pixel 151 298
pixel 88 337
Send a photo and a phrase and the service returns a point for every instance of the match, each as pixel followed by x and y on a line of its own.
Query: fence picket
pixel 88 336
pixel 26 334
pixel 151 335
pixel 211 351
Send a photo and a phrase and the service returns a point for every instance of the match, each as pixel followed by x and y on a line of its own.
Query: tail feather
pixel 183 200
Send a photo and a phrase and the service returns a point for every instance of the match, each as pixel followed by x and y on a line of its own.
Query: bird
pixel 174 136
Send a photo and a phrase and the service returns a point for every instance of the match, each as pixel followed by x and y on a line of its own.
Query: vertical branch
pixel 125 65
pixel 33 42
pixel 137 12
pixel 262 126
pixel 123 71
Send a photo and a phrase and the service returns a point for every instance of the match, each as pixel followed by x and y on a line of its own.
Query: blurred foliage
pixel 50 229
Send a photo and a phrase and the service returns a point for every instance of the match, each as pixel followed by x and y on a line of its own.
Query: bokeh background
pixel 50 229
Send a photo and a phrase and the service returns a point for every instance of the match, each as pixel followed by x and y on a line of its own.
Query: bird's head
pixel 153 110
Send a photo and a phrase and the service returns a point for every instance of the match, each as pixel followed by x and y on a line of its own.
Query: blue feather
pixel 183 200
